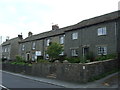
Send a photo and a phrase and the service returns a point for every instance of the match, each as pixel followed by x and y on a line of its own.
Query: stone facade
pixel 97 35
pixel 88 38
pixel 10 48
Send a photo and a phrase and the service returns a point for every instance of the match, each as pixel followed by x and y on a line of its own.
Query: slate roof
pixel 96 20
pixel 84 23
pixel 46 34
pixel 9 41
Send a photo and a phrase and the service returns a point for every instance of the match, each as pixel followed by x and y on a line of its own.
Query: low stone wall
pixel 65 71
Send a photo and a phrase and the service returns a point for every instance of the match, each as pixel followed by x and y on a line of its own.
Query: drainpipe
pixel 116 35
pixel 83 53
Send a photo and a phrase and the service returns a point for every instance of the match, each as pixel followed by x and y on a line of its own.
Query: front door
pixel 28 56
pixel 85 51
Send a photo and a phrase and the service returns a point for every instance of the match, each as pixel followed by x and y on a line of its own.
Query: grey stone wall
pixel 66 71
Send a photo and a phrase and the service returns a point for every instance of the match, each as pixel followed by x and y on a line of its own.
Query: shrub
pixel 54 50
pixel 43 61
pixel 62 58
pixel 73 60
pixel 111 56
pixel 19 59
pixel 90 56
pixel 100 58
pixel 105 57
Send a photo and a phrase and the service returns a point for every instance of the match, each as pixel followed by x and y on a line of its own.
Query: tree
pixel 54 50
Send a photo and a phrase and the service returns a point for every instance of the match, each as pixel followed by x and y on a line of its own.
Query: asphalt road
pixel 13 81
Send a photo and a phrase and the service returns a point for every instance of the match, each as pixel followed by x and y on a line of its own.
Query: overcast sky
pixel 22 16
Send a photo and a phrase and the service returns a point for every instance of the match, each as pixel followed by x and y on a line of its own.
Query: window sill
pixel 101 35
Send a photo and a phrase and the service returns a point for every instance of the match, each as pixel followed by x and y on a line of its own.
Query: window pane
pixel 75 36
pixel 102 31
pixel 61 40
pixel 102 50
pixel 48 42
pixel 33 47
pixel 99 31
pixel 74 52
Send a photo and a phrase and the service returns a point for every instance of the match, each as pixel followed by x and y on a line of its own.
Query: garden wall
pixel 65 71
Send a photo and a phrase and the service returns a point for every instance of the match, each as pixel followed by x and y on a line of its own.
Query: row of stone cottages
pixel 97 35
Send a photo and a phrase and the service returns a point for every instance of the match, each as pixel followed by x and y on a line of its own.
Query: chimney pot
pixel 30 34
pixel 55 27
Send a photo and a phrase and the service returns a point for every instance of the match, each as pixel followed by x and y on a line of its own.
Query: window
pixel 102 50
pixel 47 56
pixel 48 42
pixel 74 52
pixel 33 56
pixel 5 49
pixel 8 49
pixel 102 31
pixel 75 35
pixel 62 53
pixel 23 47
pixel 62 40
pixel 33 45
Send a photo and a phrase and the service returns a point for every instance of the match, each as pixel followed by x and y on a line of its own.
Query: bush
pixel 19 59
pixel 39 57
pixel 90 56
pixel 54 50
pixel 73 60
pixel 111 56
pixel 43 61
pixel 105 57
pixel 62 58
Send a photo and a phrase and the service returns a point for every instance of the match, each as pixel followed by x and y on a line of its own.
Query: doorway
pixel 27 56
pixel 85 51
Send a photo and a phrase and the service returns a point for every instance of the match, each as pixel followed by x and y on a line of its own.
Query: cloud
pixel 8 30
pixel 22 18
pixel 11 9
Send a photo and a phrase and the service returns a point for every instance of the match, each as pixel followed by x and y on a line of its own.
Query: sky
pixel 37 16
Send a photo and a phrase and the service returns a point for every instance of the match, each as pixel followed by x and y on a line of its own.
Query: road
pixel 13 81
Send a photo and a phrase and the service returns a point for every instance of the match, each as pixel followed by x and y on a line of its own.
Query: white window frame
pixel 48 42
pixel 33 45
pixel 47 56
pixel 74 52
pixel 5 49
pixel 102 50
pixel 102 31
pixel 23 47
pixel 62 40
pixel 33 56
pixel 62 53
pixel 75 35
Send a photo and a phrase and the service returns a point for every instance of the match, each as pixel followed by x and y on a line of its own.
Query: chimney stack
pixel 20 36
pixel 55 27
pixel 30 34
pixel 7 38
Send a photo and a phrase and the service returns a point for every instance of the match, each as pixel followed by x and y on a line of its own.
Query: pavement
pixel 110 81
